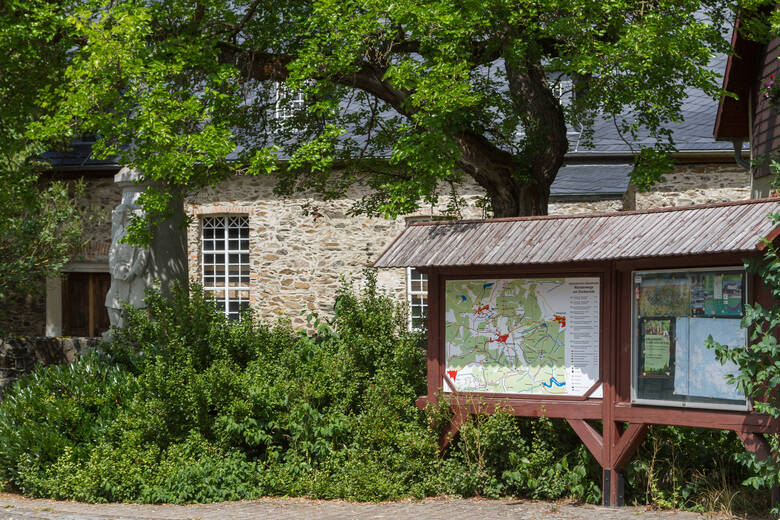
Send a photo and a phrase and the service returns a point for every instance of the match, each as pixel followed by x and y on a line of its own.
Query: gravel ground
pixel 21 508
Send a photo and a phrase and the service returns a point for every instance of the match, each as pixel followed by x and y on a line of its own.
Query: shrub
pixel 187 406
pixel 61 407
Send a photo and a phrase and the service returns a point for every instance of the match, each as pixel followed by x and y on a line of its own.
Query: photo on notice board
pixel 716 294
pixel 664 295
pixel 656 347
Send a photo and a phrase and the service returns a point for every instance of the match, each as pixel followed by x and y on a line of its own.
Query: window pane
pixel 674 313
pixel 222 269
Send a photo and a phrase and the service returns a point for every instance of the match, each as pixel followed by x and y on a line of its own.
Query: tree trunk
pixel 514 190
pixel 524 200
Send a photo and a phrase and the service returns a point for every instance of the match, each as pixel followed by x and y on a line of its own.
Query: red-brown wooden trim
pixel 524 271
pixel 434 319
pixel 450 383
pixel 756 443
pixel 590 438
pixel 628 444
pixel 768 239
pixel 528 408
pixel 458 418
pixel 700 418
pixel 682 262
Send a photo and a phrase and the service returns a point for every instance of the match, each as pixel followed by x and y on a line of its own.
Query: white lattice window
pixel 287 102
pixel 417 290
pixel 564 91
pixel 226 262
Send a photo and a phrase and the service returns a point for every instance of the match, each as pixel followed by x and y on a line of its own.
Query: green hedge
pixel 186 406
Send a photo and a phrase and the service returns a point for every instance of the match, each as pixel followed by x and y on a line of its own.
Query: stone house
pixel 288 256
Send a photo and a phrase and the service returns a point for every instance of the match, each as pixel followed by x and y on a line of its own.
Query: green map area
pixel 506 336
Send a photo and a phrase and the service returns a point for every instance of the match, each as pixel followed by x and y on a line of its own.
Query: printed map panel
pixel 524 336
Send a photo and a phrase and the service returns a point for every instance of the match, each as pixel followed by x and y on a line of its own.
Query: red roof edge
pixel 732 119
pixel 591 215
pixel 768 239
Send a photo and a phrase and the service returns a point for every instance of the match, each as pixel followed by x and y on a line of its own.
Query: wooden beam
pixel 591 438
pixel 458 418
pixel 555 409
pixel 434 317
pixel 757 443
pixel 628 444
pixel 723 420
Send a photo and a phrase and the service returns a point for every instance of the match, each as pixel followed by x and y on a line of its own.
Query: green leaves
pixel 185 91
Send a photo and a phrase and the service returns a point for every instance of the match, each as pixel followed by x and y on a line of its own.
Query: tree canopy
pixel 408 97
pixel 40 225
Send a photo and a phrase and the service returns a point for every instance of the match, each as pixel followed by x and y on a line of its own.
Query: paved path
pixel 20 508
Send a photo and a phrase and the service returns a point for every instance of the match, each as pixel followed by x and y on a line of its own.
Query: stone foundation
pixel 19 356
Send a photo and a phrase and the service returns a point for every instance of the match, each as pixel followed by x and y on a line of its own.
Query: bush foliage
pixel 186 406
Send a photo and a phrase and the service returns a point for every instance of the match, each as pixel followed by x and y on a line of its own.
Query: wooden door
pixel 83 304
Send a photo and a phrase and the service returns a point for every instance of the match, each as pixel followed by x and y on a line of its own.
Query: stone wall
pixel 100 197
pixel 19 356
pixel 583 207
pixel 301 248
pixel 25 315
pixel 692 184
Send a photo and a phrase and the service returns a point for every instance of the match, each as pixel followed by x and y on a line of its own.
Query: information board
pixel 522 336
pixel 675 313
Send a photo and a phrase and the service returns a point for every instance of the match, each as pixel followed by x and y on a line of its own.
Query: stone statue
pixel 127 264
pixel 133 268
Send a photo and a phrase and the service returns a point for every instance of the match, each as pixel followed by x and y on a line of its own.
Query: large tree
pixel 409 97
pixel 40 224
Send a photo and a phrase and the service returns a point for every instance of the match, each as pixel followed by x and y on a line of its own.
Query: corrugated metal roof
pixel 693 230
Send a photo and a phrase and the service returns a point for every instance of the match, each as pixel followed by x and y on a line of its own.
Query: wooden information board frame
pixel 624 425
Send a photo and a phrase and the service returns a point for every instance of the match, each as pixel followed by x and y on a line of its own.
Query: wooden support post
pixel 591 438
pixel 613 488
pixel 613 459
pixel 434 322
pixel 460 414
pixel 757 443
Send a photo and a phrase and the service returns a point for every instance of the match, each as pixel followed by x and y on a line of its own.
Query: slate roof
pixel 593 179
pixel 693 134
pixel 733 227
pixel 78 156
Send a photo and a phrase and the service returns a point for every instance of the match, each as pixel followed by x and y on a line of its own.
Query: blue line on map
pixel 462 298
pixel 553 381
pixel 491 284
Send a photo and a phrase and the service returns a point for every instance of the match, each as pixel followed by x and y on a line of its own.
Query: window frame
pixel 287 101
pixel 243 285
pixel 635 399
pixel 411 294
